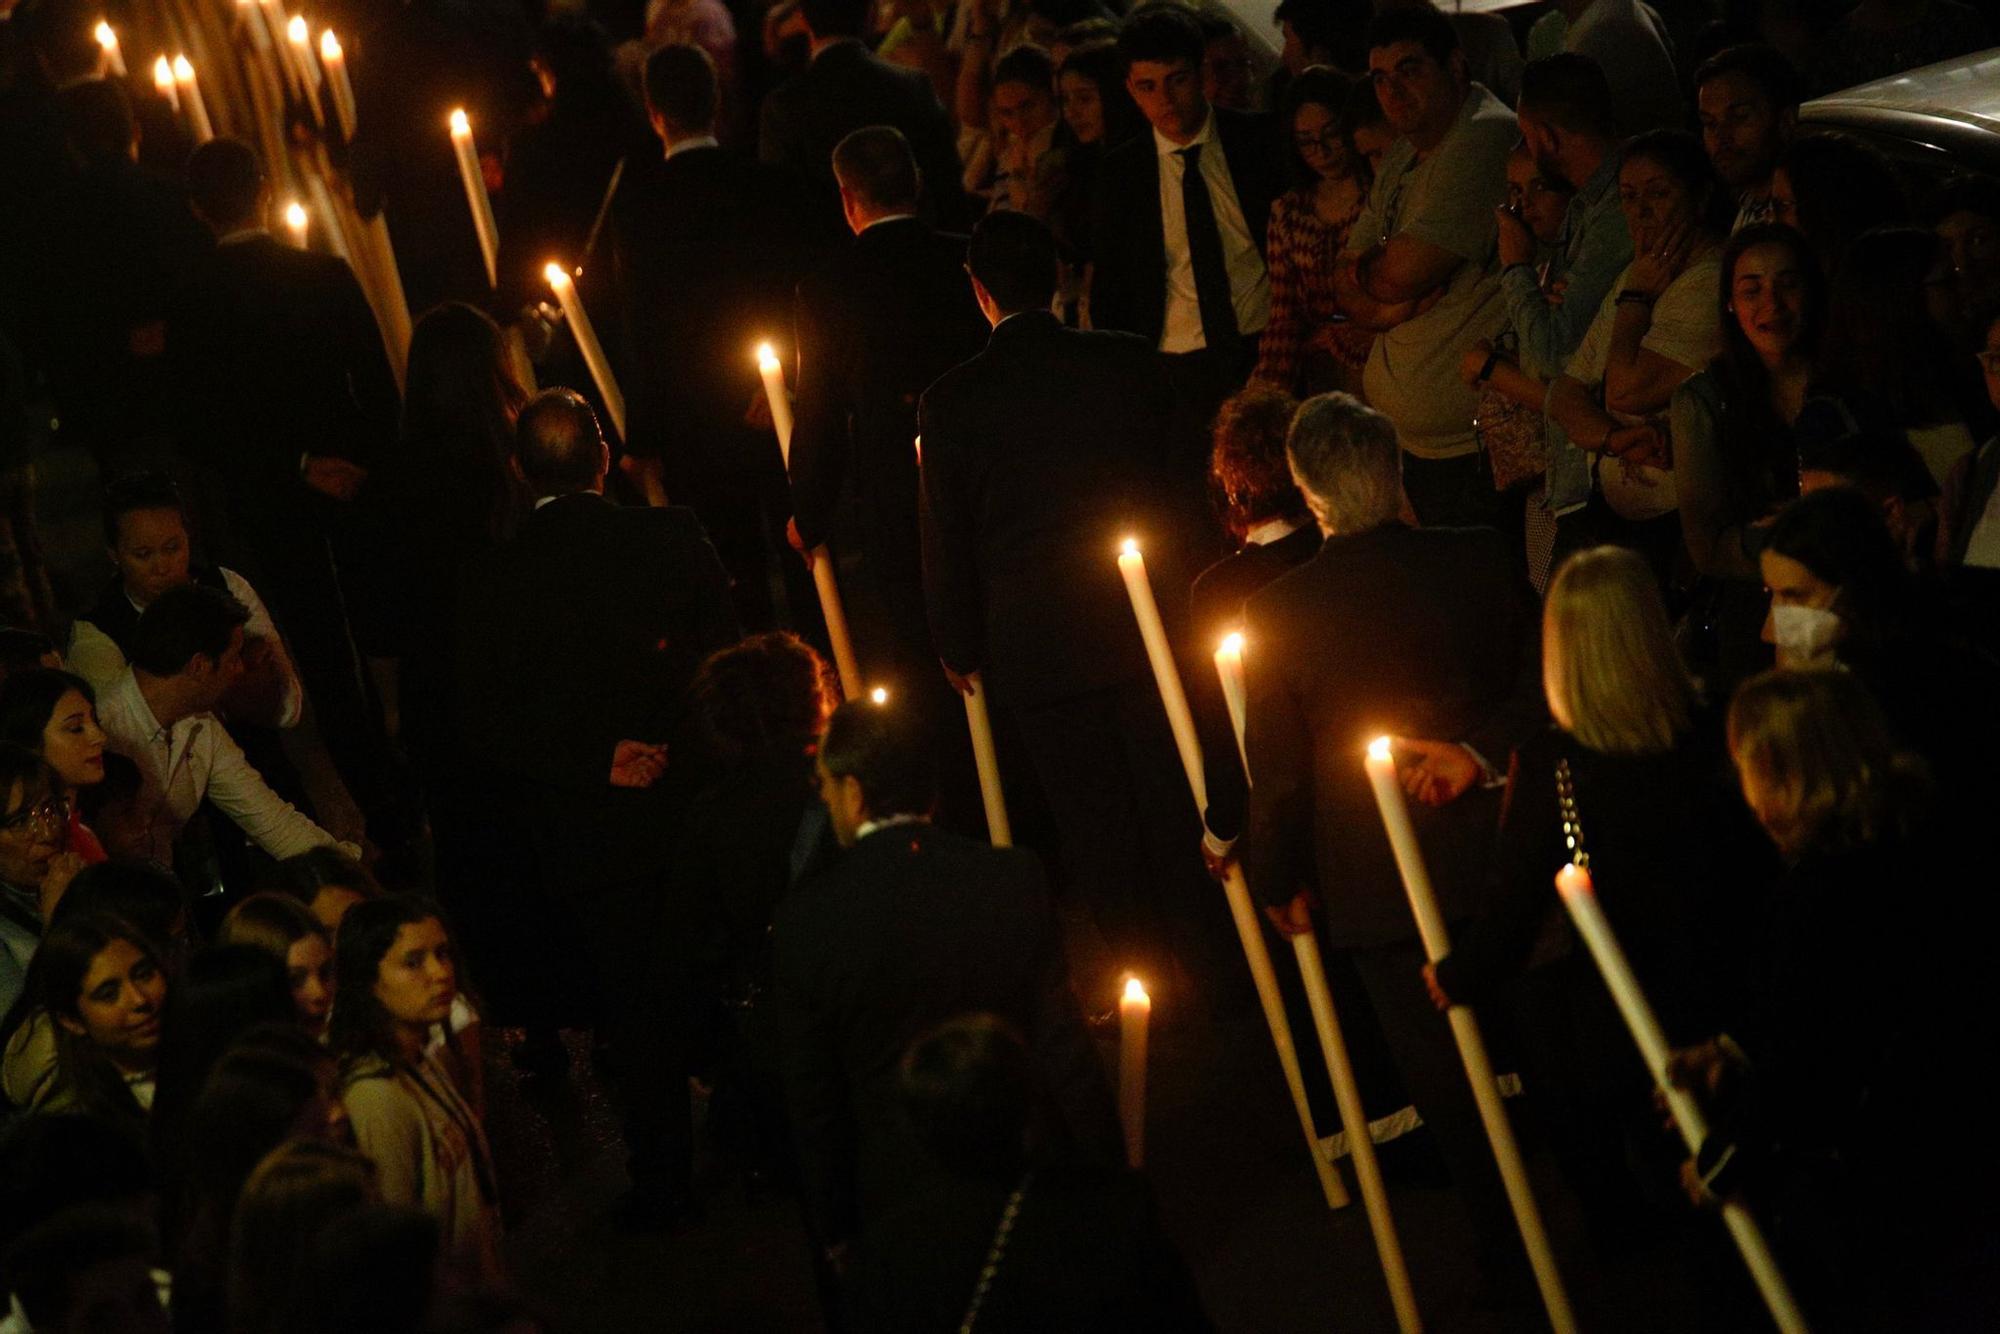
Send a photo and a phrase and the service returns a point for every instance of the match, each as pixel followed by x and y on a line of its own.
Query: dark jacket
pixel 1128 287
pixel 845 88
pixel 1430 634
pixel 584 631
pixel 1040 455
pixel 876 325
pixel 910 927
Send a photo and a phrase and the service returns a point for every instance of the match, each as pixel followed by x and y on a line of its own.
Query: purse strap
pixel 994 1254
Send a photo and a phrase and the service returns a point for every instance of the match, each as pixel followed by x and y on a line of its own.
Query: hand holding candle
pixel 586 343
pixel 1135 1013
pixel 114 57
pixel 476 199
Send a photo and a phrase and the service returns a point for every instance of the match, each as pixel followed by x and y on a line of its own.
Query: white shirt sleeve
pixel 241 793
pixel 94 655
pixel 293 696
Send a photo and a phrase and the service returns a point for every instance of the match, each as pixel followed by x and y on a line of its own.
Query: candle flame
pixel 1130 546
pixel 767 357
pixel 183 71
pixel 1232 644
pixel 329 46
pixel 554 273
pixel 1378 749
pixel 296 30
pixel 295 215
pixel 1135 991
pixel 460 126
pixel 106 38
pixel 163 74
pixel 878 695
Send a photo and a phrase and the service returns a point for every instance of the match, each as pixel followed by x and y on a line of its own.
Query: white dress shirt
pixel 1249 281
pixel 193 759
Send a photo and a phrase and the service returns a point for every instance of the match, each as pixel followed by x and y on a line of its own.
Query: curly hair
pixel 1247 465
pixel 764 697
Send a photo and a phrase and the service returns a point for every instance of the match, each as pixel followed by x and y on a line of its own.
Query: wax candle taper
pixel 1135 1012
pixel 1380 765
pixel 1229 670
pixel 586 342
pixel 296 222
pixel 114 56
pixel 197 108
pixel 163 83
pixel 478 201
pixel 986 760
pixel 334 61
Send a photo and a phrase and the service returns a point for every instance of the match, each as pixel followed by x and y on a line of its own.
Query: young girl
pixel 100 981
pixel 287 930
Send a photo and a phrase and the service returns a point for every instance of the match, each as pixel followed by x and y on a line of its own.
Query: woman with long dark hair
pixel 1097 115
pixel 101 982
pixel 398 975
pixel 54 714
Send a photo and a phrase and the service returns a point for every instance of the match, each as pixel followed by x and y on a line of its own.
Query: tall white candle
pixel 296 222
pixel 1249 930
pixel 1579 896
pixel 481 204
pixel 586 343
pixel 114 56
pixel 299 37
pixel 1135 1012
pixel 163 83
pixel 197 109
pixel 986 759
pixel 1229 669
pixel 334 61
pixel 1381 768
pixel 773 374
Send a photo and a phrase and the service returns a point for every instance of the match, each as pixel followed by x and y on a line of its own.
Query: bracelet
pixel 1632 296
pixel 1486 371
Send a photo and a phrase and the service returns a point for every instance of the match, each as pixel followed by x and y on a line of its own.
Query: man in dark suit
pixel 1426 635
pixel 846 87
pixel 909 927
pixel 285 400
pixel 1177 234
pixel 877 324
pixel 709 247
pixel 1040 455
pixel 577 642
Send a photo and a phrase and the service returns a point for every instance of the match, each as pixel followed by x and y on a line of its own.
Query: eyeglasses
pixel 1327 140
pixel 49 814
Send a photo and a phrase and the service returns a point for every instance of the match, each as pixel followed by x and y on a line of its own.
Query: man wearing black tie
pixel 1179 223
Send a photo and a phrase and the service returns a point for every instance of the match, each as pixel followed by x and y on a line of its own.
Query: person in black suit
pixel 1426 635
pixel 1178 256
pixel 876 325
pixel 285 400
pixel 846 87
pixel 911 926
pixel 577 643
pixel 1040 455
pixel 710 246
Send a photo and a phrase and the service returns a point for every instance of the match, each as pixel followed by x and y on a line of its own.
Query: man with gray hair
pixel 1431 636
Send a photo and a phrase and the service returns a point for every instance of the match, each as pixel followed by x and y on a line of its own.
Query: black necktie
pixel 1211 273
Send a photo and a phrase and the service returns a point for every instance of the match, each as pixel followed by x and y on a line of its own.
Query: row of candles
pixel 174 79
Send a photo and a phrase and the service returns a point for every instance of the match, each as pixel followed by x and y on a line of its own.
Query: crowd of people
pixel 1551 399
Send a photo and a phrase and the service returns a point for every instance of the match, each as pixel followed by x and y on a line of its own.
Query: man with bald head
pixel 577 643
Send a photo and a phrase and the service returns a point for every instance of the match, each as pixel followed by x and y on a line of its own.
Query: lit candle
pixel 986 759
pixel 163 83
pixel 1381 769
pixel 819 560
pixel 114 58
pixel 1579 896
pixel 1229 668
pixel 878 696
pixel 250 14
pixel 334 61
pixel 296 222
pixel 300 39
pixel 1135 1012
pixel 476 199
pixel 1333 1046
pixel 586 343
pixel 1249 931
pixel 197 109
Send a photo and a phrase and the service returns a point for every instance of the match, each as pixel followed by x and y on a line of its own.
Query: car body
pixel 1938 119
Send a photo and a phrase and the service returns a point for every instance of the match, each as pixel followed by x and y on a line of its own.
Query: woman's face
pixel 1373 142
pixel 1539 204
pixel 118 1007
pixel 417 979
pixel 1653 199
pixel 73 743
pixel 1792 585
pixel 1767 293
pixel 151 553
pixel 1082 107
pixel 309 972
pixel 1974 242
pixel 1316 135
pixel 33 830
pixel 331 903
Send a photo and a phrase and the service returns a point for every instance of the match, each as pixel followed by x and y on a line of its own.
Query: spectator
pixel 1969 531
pixel 1747 98
pixel 54 715
pixel 708 25
pixel 1966 213
pixel 101 983
pixel 397 976
pixel 187 654
pixel 287 930
pixel 1629 782
pixel 1834 449
pixel 328 882
pixel 139 895
pixel 298 1189
pixel 34 867
pixel 1834 187
pixel 1323 32
pixel 88 1269
pixel 1413 271
pixel 1226 65
pixel 1878 38
pixel 1367 128
pixel 1629 42
pixel 21 649
pixel 1307 346
pixel 63 1160
pixel 1023 118
pixel 1659 325
pixel 1097 115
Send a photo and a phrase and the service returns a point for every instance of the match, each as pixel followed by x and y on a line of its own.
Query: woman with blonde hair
pixel 1631 780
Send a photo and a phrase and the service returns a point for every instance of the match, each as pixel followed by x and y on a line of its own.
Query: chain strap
pixel 1579 855
pixel 991 1268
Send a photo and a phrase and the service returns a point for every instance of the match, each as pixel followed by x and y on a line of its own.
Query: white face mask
pixel 1806 635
